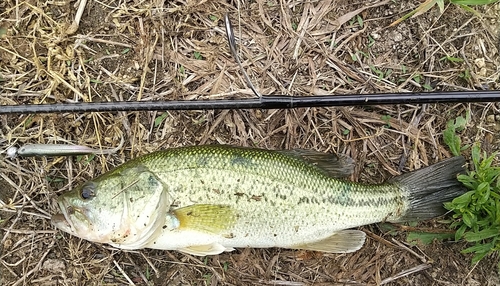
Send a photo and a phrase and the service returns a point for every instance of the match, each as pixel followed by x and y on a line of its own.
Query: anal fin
pixel 344 241
pixel 203 250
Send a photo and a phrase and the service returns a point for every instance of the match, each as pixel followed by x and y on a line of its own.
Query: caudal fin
pixel 428 188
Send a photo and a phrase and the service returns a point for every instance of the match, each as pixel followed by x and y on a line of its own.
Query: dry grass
pixel 133 50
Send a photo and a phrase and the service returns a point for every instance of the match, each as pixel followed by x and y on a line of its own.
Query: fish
pixel 205 200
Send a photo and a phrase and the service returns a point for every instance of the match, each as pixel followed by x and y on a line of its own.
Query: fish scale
pixel 280 181
pixel 222 197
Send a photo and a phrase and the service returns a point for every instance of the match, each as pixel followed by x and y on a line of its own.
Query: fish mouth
pixel 62 220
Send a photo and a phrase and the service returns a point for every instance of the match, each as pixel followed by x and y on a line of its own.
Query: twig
pixel 410 251
pixel 37 267
pixel 123 273
pixel 76 23
pixel 406 273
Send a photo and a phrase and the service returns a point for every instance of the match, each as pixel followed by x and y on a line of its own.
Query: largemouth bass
pixel 204 200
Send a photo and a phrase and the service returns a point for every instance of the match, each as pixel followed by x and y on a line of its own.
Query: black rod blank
pixel 265 102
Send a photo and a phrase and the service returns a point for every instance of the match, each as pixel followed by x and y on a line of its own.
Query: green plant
pixel 465 74
pixel 428 4
pixel 387 120
pixel 450 136
pixel 417 78
pixel 381 74
pixel 80 158
pixel 208 278
pixel 148 273
pixel 451 59
pixel 426 237
pixel 225 266
pixel 160 119
pixel 427 87
pixel 477 212
pixel 371 41
pixel 95 81
pixel 197 55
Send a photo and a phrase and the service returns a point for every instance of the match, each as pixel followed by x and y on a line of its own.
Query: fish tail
pixel 427 189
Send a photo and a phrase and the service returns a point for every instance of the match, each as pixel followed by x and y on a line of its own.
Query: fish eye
pixel 88 191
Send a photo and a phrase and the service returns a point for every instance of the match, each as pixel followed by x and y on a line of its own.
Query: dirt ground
pixel 147 50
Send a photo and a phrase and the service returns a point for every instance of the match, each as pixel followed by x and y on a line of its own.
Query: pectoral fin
pixel 202 250
pixel 344 241
pixel 205 217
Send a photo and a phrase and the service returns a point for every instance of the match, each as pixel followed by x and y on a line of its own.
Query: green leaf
pixel 463 200
pixel 426 237
pixel 388 228
pixel 3 31
pixel 451 59
pixel 440 4
pixel 476 156
pixel 477 212
pixel 460 123
pixel 451 139
pixel 477 248
pixel 460 232
pixel 468 219
pixel 483 234
pixel 89 159
pixel 360 21
pixel 160 119
pixel 473 2
pixel 479 256
pixel 386 119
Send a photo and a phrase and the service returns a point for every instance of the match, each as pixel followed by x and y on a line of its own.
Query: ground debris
pixel 169 50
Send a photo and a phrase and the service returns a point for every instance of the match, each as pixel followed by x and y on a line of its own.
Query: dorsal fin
pixel 335 165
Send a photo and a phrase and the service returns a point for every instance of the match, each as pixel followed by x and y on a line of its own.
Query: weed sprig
pixel 428 4
pixel 477 212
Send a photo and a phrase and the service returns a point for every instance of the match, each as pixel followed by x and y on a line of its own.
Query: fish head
pixel 125 208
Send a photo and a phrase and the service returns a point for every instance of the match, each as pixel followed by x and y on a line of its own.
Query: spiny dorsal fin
pixel 335 165
pixel 205 217
pixel 344 241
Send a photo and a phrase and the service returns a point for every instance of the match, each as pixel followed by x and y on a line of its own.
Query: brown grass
pixel 133 50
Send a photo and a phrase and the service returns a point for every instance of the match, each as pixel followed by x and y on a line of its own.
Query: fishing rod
pixel 264 102
pixel 260 101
